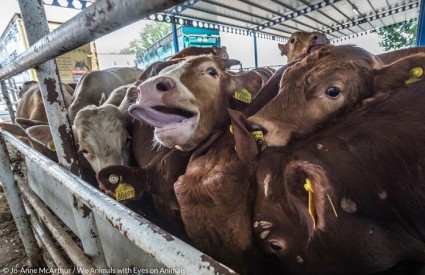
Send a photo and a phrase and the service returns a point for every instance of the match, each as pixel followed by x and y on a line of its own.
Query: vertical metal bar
pixel 420 32
pixel 12 88
pixel 7 100
pixel 36 27
pixel 255 50
pixel 16 206
pixel 175 37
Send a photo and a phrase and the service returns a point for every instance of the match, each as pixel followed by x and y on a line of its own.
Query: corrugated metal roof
pixel 279 18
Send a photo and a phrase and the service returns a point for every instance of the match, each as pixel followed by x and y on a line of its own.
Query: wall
pixel 109 60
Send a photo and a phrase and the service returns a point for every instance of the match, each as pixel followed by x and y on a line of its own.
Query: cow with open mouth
pixel 184 107
pixel 187 102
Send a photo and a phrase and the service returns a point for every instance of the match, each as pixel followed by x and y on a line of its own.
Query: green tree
pixel 150 33
pixel 398 36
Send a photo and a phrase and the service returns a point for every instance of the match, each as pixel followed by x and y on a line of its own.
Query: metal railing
pixel 112 236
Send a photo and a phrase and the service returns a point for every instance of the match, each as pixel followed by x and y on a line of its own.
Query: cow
pixel 119 94
pixel 349 198
pixel 301 43
pixel 25 87
pixel 391 56
pixel 327 84
pixel 176 105
pixel 102 136
pixel 31 105
pixel 193 51
pixel 96 86
pixel 199 88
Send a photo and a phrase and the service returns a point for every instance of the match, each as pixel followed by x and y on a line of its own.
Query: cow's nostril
pixel 165 85
pixel 314 37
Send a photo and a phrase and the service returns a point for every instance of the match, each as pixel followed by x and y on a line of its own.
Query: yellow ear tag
pixel 309 189
pixel 259 138
pixel 124 191
pixel 415 75
pixel 243 95
pixel 51 146
pixel 231 129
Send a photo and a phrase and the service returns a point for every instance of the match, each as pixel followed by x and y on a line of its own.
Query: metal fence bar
pixel 73 251
pixel 45 239
pixel 101 18
pixel 16 206
pixel 165 248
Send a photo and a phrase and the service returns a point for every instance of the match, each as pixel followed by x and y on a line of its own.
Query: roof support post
pixel 255 50
pixel 175 38
pixel 420 32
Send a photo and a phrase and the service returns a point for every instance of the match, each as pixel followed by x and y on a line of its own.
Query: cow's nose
pixel 165 84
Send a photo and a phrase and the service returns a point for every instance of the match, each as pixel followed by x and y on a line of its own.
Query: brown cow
pixel 193 51
pixel 390 57
pixel 95 87
pixel 31 105
pixel 329 82
pixel 302 43
pixel 361 209
pixel 186 102
pixel 216 192
pixel 199 84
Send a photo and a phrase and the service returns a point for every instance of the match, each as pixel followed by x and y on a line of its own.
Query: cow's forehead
pixel 177 70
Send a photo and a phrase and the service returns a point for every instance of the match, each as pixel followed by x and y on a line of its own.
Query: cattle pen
pixel 113 238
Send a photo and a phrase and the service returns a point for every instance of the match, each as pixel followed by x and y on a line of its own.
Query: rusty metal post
pixel 16 206
pixel 36 27
pixel 7 100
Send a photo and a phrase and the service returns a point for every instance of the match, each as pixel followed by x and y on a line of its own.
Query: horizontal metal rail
pixel 165 248
pixel 94 22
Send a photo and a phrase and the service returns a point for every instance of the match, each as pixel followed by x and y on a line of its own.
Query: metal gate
pixel 114 239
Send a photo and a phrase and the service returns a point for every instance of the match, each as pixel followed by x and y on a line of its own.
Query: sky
pixel 239 47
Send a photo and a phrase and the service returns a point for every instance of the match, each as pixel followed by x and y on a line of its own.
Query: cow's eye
pixel 275 246
pixel 292 40
pixel 333 92
pixel 211 71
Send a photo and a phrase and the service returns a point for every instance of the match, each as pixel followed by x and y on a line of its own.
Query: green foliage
pixel 150 33
pixel 397 37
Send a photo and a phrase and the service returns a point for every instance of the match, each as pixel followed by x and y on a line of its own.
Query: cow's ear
pixel 25 123
pixel 245 144
pixel 40 134
pixel 310 192
pixel 282 48
pixel 245 87
pixel 400 73
pixel 17 131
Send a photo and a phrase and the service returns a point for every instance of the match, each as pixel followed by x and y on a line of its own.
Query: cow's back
pixel 95 87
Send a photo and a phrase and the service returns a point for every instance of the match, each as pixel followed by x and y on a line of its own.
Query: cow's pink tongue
pixel 154 117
